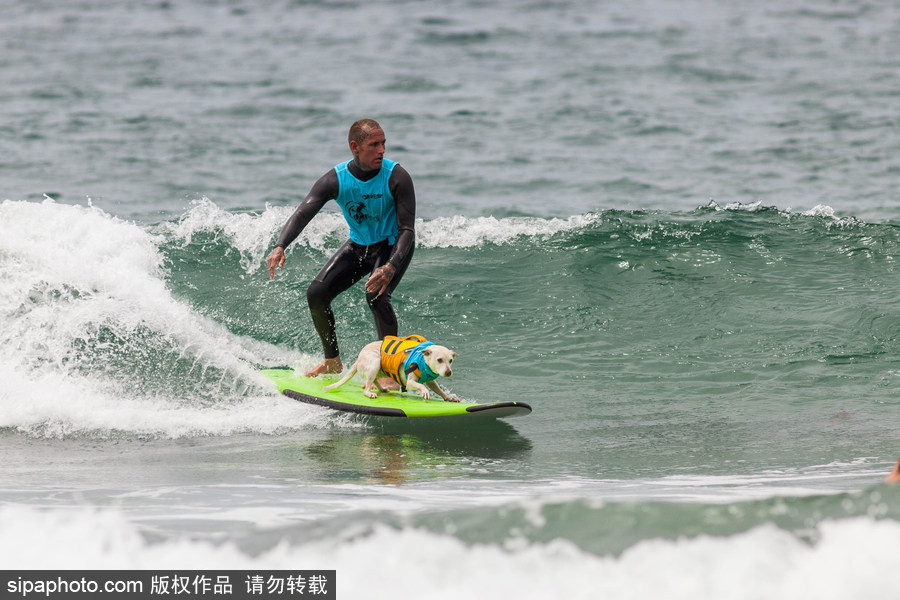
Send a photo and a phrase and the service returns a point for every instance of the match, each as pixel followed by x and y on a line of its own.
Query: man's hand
pixel 380 279
pixel 276 259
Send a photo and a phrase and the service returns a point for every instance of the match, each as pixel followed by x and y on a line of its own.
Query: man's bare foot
pixel 329 365
pixel 388 384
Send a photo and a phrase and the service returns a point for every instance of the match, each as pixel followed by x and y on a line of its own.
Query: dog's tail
pixel 350 373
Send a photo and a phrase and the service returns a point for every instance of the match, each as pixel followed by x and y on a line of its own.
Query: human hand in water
pixel 276 259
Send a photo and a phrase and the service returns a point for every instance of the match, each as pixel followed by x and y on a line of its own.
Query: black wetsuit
pixel 352 261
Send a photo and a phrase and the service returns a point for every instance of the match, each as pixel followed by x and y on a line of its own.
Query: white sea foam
pixel 68 272
pixel 854 558
pixel 465 232
pixel 252 234
pixel 820 210
pixel 60 405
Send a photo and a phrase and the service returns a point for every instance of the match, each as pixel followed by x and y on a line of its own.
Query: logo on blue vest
pixel 357 211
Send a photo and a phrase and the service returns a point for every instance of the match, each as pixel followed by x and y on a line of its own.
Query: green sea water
pixel 666 340
pixel 671 229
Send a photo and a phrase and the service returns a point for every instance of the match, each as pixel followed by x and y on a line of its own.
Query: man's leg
pixel 340 272
pixel 382 309
pixel 380 304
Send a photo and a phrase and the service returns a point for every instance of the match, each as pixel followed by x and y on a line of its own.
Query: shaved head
pixel 361 130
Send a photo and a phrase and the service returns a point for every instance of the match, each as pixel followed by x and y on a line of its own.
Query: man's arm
pixel 404 193
pixel 323 190
pixel 401 185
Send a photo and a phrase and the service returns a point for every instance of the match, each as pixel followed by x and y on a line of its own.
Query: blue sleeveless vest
pixel 368 206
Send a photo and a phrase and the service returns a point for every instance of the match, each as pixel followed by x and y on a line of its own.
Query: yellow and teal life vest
pixel 401 356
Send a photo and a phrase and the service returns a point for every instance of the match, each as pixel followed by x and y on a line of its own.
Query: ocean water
pixel 672 228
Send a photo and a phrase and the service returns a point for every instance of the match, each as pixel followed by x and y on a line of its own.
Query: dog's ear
pixel 454 355
pixel 426 352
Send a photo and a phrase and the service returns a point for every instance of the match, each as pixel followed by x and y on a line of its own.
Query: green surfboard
pixel 349 397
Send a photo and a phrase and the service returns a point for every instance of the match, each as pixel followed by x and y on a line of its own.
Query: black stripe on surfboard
pixel 479 407
pixel 379 411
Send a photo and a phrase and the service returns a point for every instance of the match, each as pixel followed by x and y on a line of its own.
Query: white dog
pixel 411 361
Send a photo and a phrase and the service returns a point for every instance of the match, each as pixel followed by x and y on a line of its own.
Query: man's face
pixel 370 151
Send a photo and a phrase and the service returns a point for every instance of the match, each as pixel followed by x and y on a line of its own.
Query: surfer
pixel 377 198
pixel 894 475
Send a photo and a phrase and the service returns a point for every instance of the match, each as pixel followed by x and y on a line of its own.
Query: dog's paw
pixel 370 395
pixel 426 394
pixel 451 399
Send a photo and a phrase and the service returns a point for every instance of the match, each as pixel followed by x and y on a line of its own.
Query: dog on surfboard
pixel 411 361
